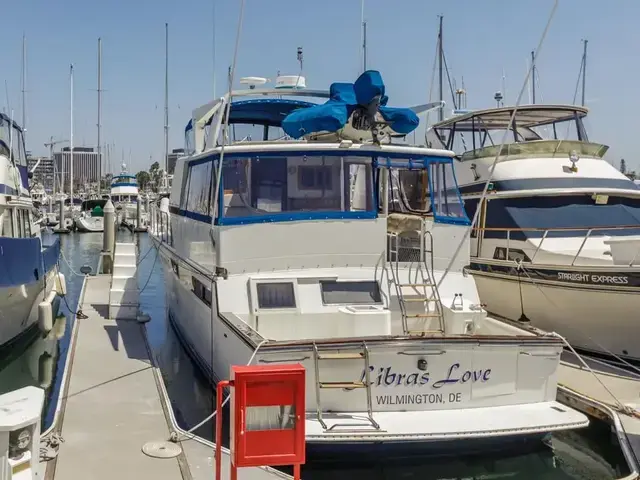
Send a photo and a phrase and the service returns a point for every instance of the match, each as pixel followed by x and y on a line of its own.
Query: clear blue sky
pixel 482 38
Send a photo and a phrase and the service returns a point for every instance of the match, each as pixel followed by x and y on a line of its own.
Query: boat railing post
pixel 109 237
pixel 61 224
pixel 138 212
pixel 581 247
pixel 539 245
pixel 508 244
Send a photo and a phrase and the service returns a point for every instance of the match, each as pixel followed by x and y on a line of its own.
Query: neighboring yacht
pixel 124 193
pixel 293 249
pixel 27 267
pixel 91 217
pixel 558 241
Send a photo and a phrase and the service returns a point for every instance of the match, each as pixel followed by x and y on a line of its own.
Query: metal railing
pixel 545 232
pixel 412 250
pixel 160 223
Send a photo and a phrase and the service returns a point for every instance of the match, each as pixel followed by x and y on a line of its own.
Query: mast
pixel 533 77
pixel 214 49
pixel 364 39
pixel 71 137
pixel 584 71
pixel 166 103
pixel 24 88
pixel 440 71
pixel 99 117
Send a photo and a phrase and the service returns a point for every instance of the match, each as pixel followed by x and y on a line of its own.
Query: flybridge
pixel 355 111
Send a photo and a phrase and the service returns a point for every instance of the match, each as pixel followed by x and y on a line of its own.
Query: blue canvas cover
pixel 344 98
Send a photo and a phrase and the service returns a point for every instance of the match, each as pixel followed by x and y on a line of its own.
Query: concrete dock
pixel 114 403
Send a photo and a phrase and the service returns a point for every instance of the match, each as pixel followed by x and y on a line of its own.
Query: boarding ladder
pixel 421 289
pixel 363 355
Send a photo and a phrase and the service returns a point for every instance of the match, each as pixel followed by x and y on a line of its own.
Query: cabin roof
pixel 527 116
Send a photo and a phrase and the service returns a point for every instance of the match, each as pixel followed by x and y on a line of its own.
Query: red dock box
pixel 267 416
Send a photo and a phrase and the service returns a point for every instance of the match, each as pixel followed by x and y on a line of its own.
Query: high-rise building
pixel 44 172
pixel 86 166
pixel 172 158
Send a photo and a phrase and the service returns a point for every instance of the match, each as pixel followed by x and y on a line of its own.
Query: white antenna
pixel 24 87
pixel 166 103
pixel 71 136
pixel 99 116
pixel 504 84
pixel 363 34
pixel 214 47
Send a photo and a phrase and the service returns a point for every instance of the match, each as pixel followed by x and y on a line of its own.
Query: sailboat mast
pixel 166 103
pixel 440 70
pixel 364 38
pixel 99 117
pixel 24 88
pixel 71 137
pixel 584 71
pixel 533 77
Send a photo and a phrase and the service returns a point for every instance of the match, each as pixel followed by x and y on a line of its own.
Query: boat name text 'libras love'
pixel 387 377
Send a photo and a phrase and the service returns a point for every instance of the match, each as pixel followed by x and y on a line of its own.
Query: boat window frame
pixel 428 163
pixel 257 310
pixel 316 215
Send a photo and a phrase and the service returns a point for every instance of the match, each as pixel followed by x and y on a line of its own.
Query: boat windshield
pixel 11 138
pixel 481 133
pixel 291 186
pixel 430 190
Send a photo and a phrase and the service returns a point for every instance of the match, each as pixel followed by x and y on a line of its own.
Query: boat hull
pixel 90 224
pixel 19 306
pixel 589 309
pixel 424 413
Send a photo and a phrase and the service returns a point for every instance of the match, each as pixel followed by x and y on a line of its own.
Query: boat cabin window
pixel 6 223
pixel 446 199
pixel 295 187
pixel 272 295
pixel 11 139
pixel 24 218
pixel 409 191
pixel 350 293
pixel 431 190
pixel 561 216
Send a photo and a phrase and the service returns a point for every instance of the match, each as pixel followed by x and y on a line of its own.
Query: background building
pixel 86 166
pixel 172 158
pixel 44 172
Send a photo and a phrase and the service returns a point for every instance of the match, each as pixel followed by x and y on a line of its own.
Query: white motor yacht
pixel 558 238
pixel 293 249
pixel 124 194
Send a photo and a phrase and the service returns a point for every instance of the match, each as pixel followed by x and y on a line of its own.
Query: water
pixel 586 454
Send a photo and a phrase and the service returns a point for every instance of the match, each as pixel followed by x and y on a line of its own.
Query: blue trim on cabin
pixel 124 184
pixel 7 190
pixel 542 183
pixel 298 216
pixel 25 260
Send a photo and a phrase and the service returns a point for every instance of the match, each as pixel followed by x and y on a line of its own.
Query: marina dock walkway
pixel 113 406
pixel 617 388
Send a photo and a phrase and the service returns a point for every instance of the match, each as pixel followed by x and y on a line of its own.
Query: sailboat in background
pixel 91 217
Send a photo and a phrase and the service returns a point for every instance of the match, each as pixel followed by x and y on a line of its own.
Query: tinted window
pixel 199 188
pixel 276 295
pixel 350 293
